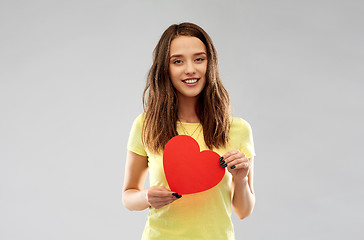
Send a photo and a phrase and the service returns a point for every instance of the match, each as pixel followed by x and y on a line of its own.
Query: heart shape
pixel 188 170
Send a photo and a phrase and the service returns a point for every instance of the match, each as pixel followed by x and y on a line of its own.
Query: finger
pixel 234 159
pixel 160 204
pixel 236 155
pixel 229 158
pixel 236 162
pixel 161 193
pixel 176 195
pixel 230 153
pixel 172 196
pixel 160 200
pixel 156 197
pixel 157 202
pixel 243 165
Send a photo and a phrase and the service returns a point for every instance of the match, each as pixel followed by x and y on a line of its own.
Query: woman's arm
pixel 136 169
pixel 242 171
pixel 135 197
pixel 243 194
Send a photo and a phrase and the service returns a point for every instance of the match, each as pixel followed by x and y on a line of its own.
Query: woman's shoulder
pixel 239 124
pixel 140 118
pixel 138 121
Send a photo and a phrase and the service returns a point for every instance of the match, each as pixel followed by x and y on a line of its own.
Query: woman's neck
pixel 187 109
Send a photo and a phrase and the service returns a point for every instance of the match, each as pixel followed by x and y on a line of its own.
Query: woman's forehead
pixel 183 45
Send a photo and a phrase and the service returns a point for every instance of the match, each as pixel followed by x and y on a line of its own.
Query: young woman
pixel 184 96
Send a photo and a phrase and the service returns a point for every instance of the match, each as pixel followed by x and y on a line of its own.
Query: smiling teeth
pixel 191 81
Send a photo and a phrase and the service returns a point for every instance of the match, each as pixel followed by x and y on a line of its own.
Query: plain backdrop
pixel 72 75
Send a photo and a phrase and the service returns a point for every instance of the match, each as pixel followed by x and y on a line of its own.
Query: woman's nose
pixel 190 68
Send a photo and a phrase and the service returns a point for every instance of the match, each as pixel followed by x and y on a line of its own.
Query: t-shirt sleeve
pixel 135 137
pixel 246 138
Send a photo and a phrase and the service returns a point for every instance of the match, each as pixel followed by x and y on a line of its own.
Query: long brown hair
pixel 160 123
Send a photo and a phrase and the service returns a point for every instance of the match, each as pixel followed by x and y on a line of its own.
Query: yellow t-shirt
pixel 204 215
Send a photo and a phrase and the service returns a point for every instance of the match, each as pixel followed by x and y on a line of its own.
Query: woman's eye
pixel 199 59
pixel 177 61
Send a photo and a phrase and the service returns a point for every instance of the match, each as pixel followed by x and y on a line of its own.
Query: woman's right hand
pixel 158 196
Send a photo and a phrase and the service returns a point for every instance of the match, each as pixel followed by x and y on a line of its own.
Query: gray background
pixel 72 75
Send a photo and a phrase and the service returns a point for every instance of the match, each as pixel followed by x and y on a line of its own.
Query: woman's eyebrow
pixel 180 55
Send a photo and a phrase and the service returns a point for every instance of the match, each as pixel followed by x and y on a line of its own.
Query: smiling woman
pixel 184 96
pixel 187 66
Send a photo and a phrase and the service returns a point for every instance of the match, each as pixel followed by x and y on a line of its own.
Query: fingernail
pixel 233 167
pixel 225 165
pixel 220 159
pixel 221 163
pixel 178 196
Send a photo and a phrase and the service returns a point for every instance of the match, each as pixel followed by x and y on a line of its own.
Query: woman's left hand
pixel 237 164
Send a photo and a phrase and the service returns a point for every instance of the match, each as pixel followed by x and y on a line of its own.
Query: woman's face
pixel 187 65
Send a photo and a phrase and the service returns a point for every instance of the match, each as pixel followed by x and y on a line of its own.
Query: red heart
pixel 187 169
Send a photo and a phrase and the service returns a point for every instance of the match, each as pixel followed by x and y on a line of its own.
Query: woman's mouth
pixel 191 82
